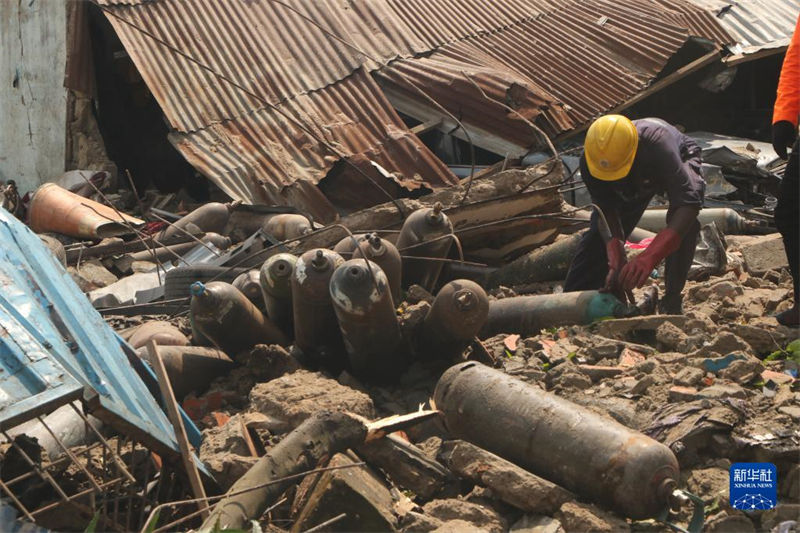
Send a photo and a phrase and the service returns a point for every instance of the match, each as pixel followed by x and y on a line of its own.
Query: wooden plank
pixel 180 431
pixel 419 129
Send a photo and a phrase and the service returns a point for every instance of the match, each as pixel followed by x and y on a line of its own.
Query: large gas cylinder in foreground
pixel 316 332
pixel 386 256
pixel 423 235
pixel 276 289
pixel 457 315
pixel 528 315
pixel 225 316
pixel 367 319
pixel 582 451
pixel 728 221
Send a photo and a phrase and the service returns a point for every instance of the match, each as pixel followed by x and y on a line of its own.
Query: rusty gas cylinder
pixel 227 318
pixel 590 454
pixel 276 289
pixel 424 234
pixel 287 226
pixel 386 256
pixel 458 313
pixel 367 319
pixel 249 284
pixel 316 331
pixel 210 217
pixel 347 245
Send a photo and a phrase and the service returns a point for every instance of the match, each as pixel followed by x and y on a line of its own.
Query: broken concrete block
pixel 509 483
pixel 760 339
pixel 780 378
pixel 719 391
pixel 413 522
pixel 356 491
pixel 407 466
pixel 618 328
pixel 743 371
pixel 780 513
pixel 725 523
pixel 536 524
pixel 710 484
pixel 724 343
pixel 791 410
pixel 688 376
pixel 682 394
pixel 576 517
pixel 458 526
pixel 482 517
pixel 764 254
pixel 669 335
pixel 295 397
pixel 91 275
pixel 599 372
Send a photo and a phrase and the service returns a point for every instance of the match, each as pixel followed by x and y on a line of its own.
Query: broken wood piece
pixel 390 424
pixel 187 456
pixel 406 465
pixel 248 440
pixel 315 440
pixel 510 483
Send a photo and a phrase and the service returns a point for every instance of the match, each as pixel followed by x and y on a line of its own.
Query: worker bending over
pixel 624 164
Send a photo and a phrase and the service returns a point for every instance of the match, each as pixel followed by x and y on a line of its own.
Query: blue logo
pixel 754 486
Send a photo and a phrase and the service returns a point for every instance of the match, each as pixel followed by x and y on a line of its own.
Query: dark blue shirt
pixel 666 161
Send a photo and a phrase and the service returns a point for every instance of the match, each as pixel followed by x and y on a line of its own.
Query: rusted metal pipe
pixel 558 440
pixel 367 319
pixel 316 332
pixel 276 289
pixel 420 236
pixel 458 313
pixel 58 210
pixel 528 315
pixel 210 217
pixel 385 255
pixel 225 316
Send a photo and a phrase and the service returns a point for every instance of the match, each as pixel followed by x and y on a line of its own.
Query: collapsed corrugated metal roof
pixel 266 96
pixel 758 27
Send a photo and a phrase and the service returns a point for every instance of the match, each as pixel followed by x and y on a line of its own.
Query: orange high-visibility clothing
pixel 787 104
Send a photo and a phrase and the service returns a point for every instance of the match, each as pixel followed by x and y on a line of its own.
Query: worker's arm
pixel 668 240
pixel 787 102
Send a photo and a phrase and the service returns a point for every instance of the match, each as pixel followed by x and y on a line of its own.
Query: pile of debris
pixel 359 377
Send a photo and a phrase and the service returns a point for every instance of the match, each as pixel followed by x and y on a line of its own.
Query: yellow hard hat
pixel 610 147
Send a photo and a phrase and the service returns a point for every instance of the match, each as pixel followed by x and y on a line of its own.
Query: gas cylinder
pixel 287 226
pixel 585 452
pixel 728 221
pixel 528 315
pixel 276 289
pixel 210 217
pixel 249 284
pixel 386 256
pixel 367 319
pixel 348 245
pixel 423 235
pixel 164 333
pixel 225 316
pixel 168 253
pixel 458 313
pixel 316 331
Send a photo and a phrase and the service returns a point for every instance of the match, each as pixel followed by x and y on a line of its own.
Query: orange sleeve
pixel 787 104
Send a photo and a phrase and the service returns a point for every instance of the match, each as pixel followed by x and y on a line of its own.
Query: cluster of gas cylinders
pixel 339 306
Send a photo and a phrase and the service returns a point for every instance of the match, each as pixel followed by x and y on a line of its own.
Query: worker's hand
pixel 637 271
pixel 783 135
pixel 615 251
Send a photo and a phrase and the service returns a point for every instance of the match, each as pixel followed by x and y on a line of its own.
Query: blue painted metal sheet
pixel 58 335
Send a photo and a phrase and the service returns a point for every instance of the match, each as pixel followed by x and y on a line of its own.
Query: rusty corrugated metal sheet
pixel 754 25
pixel 560 68
pixel 264 156
pixel 560 62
